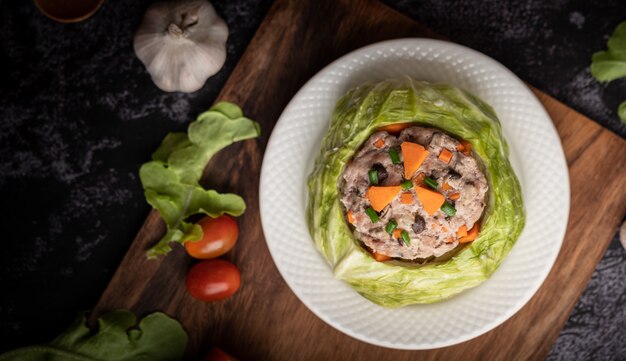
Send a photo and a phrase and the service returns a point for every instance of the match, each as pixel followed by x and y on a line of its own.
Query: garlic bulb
pixel 181 43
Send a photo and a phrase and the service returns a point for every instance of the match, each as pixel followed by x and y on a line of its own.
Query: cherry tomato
pixel 219 236
pixel 213 280
pixel 218 355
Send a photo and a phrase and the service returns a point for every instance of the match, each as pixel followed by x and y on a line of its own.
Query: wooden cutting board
pixel 264 320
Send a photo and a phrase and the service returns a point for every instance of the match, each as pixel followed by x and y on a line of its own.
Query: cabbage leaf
pixel 171 179
pixel 356 116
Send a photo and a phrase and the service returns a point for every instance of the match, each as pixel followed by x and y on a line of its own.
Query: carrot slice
pixel 431 200
pixel 380 197
pixel 380 257
pixel 379 143
pixel 414 155
pixel 445 186
pixel 397 233
pixel 471 235
pixel 350 217
pixel 395 128
pixel 406 198
pixel 449 240
pixel 462 231
pixel 455 196
pixel 445 156
pixel 418 180
pixel 460 147
pixel 467 147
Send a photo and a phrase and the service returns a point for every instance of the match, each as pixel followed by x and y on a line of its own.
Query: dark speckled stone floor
pixel 79 114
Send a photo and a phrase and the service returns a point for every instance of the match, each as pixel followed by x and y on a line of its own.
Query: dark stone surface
pixel 546 43
pixel 596 329
pixel 79 114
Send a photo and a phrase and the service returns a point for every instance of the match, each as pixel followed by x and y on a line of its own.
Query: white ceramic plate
pixel 537 159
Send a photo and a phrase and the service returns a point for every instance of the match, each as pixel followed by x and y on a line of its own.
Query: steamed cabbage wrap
pixel 356 116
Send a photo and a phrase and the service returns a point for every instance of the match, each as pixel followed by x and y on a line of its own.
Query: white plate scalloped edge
pixel 536 156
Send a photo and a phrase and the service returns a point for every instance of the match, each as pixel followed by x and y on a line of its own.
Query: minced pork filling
pixel 414 195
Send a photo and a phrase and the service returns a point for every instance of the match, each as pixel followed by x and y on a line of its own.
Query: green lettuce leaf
pixel 170 180
pixel 621 111
pixel 611 64
pixel 356 116
pixel 156 338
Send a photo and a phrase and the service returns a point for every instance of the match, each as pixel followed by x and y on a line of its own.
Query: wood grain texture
pixel 264 320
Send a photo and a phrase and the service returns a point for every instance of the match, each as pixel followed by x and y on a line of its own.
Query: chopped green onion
pixel 405 238
pixel 391 226
pixel 395 158
pixel 407 184
pixel 372 214
pixel 431 182
pixel 448 209
pixel 373 176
